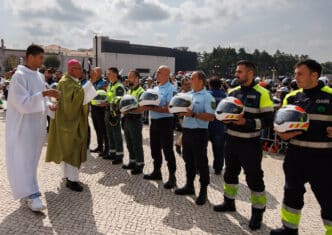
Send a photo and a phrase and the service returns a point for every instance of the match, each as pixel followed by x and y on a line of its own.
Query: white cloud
pixel 200 24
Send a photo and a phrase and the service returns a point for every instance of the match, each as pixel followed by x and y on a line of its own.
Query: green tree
pixel 52 61
pixel 11 62
pixel 327 67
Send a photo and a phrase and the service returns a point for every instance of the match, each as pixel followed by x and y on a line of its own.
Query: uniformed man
pixel 195 137
pixel 98 118
pixel 243 146
pixel 133 124
pixel 112 119
pixel 161 130
pixel 309 154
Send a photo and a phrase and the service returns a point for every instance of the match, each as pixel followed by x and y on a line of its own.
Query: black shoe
pixel 96 150
pixel 171 183
pixel 186 190
pixel 228 205
pixel 103 154
pixel 256 218
pixel 155 175
pixel 202 197
pixel 178 149
pixel 129 166
pixel 137 170
pixel 284 231
pixel 75 186
pixel 117 160
pixel 109 156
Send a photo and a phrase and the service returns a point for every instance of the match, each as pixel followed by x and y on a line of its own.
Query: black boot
pixel 97 150
pixel 138 169
pixel 256 218
pixel 188 189
pixel 155 175
pixel 109 156
pixel 284 231
pixel 117 160
pixel 171 183
pixel 75 186
pixel 202 197
pixel 129 166
pixel 228 205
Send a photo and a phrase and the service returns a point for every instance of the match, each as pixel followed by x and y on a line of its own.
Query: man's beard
pixel 244 81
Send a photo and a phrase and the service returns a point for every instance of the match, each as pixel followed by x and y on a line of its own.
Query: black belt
pixel 133 116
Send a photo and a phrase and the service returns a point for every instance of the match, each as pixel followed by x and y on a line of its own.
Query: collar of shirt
pixel 198 92
pixel 165 85
pixel 75 79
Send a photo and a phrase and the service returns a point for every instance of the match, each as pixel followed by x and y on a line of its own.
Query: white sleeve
pixel 22 99
pixel 89 92
pixel 50 113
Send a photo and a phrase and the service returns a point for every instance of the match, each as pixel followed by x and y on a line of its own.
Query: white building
pixel 145 59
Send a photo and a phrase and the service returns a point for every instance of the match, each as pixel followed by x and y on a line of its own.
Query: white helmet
pixel 291 118
pixel 229 109
pixel 276 102
pixel 180 103
pixel 100 98
pixel 325 80
pixel 150 98
pixel 54 85
pixel 128 102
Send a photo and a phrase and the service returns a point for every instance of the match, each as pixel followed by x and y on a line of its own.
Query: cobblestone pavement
pixel 114 202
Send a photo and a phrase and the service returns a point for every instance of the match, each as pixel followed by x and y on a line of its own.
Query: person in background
pixel 216 127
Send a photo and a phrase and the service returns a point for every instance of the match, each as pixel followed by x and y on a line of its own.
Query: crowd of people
pixel 67 99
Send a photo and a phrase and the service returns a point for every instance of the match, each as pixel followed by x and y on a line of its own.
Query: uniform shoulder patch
pixel 119 91
pixel 213 104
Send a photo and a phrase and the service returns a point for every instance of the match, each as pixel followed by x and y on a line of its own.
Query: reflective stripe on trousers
pixel 290 217
pixel 310 144
pixel 258 199
pixel 230 190
pixel 243 134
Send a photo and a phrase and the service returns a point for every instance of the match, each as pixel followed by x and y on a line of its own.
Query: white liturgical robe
pixel 25 130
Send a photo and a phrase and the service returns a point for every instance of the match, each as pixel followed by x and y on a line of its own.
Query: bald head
pixel 163 73
pixel 98 71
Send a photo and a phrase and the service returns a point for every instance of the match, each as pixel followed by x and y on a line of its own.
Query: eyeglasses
pixel 77 68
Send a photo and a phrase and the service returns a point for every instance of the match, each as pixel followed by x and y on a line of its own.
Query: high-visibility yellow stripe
pixel 265 100
pixel 258 200
pixel 327 89
pixel 285 102
pixel 290 217
pixel 230 191
pixel 328 230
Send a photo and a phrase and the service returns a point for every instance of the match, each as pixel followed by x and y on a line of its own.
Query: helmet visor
pixel 283 116
pixel 227 107
pixel 178 102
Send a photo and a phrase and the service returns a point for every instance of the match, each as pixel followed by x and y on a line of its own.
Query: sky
pixel 292 26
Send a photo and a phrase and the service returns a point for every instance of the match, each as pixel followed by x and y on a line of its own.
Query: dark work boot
pixel 202 197
pixel 284 231
pixel 171 183
pixel 75 186
pixel 256 218
pixel 96 150
pixel 129 166
pixel 117 160
pixel 138 169
pixel 109 156
pixel 188 189
pixel 228 205
pixel 155 175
